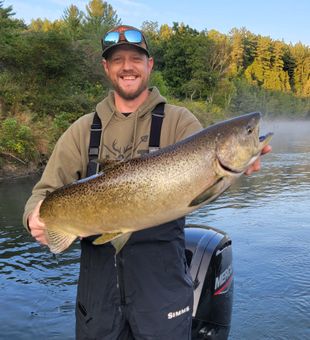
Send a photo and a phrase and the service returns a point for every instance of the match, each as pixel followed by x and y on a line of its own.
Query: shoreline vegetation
pixel 50 75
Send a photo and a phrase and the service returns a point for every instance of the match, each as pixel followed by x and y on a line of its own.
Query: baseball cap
pixel 124 35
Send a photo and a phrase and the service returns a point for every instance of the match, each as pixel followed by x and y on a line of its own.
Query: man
pixel 127 296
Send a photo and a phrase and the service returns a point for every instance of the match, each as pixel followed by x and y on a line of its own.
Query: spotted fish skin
pixel 154 189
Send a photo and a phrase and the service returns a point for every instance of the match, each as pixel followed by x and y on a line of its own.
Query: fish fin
pixel 208 194
pixel 58 241
pixel 106 237
pixel 107 164
pixel 118 240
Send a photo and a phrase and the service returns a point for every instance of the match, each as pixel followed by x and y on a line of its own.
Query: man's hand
pixel 36 226
pixel 256 166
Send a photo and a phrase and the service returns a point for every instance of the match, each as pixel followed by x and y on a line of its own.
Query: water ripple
pixel 266 214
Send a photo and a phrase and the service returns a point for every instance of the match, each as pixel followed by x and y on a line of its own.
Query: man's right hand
pixel 36 225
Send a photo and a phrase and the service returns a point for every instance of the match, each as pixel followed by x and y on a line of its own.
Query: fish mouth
pixel 228 169
pixel 264 140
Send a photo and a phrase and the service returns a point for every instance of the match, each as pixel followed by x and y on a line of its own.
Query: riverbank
pixel 12 170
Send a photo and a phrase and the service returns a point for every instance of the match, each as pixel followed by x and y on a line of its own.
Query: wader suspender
pixel 157 119
pixel 94 142
pixel 158 115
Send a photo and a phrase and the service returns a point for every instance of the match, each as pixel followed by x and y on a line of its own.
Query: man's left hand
pixel 256 166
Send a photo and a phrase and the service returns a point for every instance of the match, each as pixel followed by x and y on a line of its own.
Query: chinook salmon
pixel 154 189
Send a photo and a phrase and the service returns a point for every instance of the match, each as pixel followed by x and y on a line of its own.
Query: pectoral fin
pixel 118 240
pixel 209 194
pixel 58 241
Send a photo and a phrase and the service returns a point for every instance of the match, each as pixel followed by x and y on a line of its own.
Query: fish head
pixel 238 143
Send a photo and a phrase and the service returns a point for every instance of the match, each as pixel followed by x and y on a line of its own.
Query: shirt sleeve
pixel 187 125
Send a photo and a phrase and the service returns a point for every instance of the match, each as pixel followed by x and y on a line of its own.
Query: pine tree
pixel 301 55
pixel 237 52
pixel 73 21
pixel 100 18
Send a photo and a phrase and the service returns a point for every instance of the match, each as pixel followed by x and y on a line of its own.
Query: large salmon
pixel 154 189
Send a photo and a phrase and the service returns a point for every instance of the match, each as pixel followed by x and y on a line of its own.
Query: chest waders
pixel 143 293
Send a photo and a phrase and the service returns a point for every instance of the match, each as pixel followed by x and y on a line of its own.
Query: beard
pixel 130 95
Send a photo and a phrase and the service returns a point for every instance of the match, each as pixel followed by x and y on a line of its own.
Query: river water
pixel 267 215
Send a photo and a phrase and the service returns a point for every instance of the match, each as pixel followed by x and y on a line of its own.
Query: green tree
pixel 178 56
pixel 100 17
pixel 289 65
pixel 72 18
pixel 217 62
pixel 9 30
pixel 249 41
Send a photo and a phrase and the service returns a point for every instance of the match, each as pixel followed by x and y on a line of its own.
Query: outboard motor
pixel 209 257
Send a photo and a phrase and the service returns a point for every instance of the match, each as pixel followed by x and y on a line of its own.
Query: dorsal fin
pixel 107 164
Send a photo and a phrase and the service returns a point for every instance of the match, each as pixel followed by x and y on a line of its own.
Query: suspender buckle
pixel 160 115
pixel 93 151
pixel 153 148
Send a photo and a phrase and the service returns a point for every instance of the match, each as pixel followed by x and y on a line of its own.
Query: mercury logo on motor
pixel 223 278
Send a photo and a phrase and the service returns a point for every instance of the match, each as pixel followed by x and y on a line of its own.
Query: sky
pixel 286 20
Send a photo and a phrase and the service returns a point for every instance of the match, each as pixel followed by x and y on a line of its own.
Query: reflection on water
pixel 267 216
pixel 39 288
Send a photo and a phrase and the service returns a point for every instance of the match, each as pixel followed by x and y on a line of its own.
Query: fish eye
pixel 249 129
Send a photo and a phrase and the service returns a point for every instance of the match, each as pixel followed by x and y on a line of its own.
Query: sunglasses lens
pixel 133 36
pixel 111 38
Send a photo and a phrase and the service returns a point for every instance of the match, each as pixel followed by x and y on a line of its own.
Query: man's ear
pixel 105 65
pixel 151 64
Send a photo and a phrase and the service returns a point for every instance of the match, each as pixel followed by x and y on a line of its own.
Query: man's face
pixel 129 71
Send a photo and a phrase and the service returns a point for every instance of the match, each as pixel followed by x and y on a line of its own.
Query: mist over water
pixel 267 216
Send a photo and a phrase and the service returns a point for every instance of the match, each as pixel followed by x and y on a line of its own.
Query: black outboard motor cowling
pixel 209 256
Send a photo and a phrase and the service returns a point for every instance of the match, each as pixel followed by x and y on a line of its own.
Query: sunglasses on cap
pixel 130 35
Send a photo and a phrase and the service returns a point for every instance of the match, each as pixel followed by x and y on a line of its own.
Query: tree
pixel 301 56
pixel 39 25
pixel 178 57
pixel 237 53
pixel 249 41
pixel 6 20
pixel 100 18
pixel 73 21
pixel 289 65
pixel 210 62
pixel 279 76
pixel 9 30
